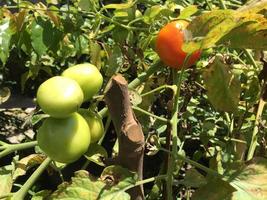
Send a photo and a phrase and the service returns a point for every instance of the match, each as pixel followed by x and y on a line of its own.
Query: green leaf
pixel 216 189
pixel 95 54
pixel 5 37
pixel 129 4
pixel 250 180
pixel 96 153
pixel 38 38
pixel 115 61
pixel 155 12
pixel 251 34
pixel 187 12
pixel 89 5
pixel 44 36
pixel 112 185
pixel 223 87
pixel 38 117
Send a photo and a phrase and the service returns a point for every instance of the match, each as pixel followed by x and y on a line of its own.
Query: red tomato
pixel 169 45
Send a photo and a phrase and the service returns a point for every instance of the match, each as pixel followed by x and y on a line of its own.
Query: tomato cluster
pixel 169 44
pixel 67 133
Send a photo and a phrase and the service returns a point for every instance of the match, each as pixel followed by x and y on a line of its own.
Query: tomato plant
pixel 95 124
pixel 169 43
pixel 64 140
pixel 59 96
pixel 187 127
pixel 87 76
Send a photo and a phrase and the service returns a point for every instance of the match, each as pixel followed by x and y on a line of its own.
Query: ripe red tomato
pixel 169 45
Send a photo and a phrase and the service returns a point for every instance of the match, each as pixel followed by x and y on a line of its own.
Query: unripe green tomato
pixel 95 124
pixel 64 140
pixel 87 76
pixel 59 96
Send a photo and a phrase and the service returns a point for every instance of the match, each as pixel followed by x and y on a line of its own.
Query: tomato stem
pixel 19 195
pixel 177 81
pixel 9 148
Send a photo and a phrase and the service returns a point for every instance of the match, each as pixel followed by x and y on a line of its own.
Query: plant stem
pixel 6 196
pixel 195 164
pixel 177 81
pixel 175 140
pixel 19 195
pixel 143 76
pixel 150 114
pixel 9 148
pixel 254 136
pixel 122 25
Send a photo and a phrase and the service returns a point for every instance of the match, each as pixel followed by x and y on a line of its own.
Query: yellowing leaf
pixel 216 189
pixel 84 186
pixel 254 6
pixel 233 28
pixel 250 180
pixel 223 88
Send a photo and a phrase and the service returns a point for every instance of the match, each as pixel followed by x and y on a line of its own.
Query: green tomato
pixel 59 96
pixel 87 76
pixel 64 140
pixel 95 124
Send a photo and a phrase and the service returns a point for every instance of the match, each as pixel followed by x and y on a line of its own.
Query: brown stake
pixel 128 129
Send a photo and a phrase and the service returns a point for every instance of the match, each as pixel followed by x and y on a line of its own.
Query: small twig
pixel 163 87
pixel 148 180
pixel 150 114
